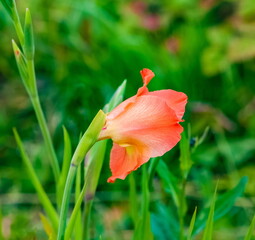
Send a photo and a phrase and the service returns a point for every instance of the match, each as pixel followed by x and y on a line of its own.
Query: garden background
pixel 84 51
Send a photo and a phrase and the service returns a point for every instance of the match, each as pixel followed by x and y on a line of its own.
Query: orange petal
pixel 124 160
pixel 175 100
pixel 148 121
pixel 122 107
pixel 147 75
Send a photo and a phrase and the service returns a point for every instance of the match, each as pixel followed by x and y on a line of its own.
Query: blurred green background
pixel 85 49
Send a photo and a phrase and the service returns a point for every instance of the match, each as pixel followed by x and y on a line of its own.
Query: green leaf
pixel 48 207
pixel 65 167
pixel 222 206
pixel 152 169
pixel 250 230
pixel 164 223
pixel 209 223
pixel 117 97
pixel 201 139
pixel 7 6
pixel 169 180
pixel 47 227
pixel 192 223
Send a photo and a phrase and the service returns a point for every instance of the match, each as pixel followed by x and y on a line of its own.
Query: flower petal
pixel 175 100
pixel 123 160
pixel 147 75
pixel 148 121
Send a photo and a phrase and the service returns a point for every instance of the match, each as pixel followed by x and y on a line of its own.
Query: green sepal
pixel 22 65
pixel 89 138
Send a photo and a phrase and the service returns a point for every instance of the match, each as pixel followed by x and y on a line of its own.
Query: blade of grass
pixel 47 227
pixel 51 212
pixel 209 223
pixel 223 204
pixel 152 169
pixel 66 163
pixel 250 230
pixel 169 180
pixel 192 223
pixel 117 97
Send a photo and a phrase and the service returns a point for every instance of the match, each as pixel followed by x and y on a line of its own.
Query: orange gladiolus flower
pixel 144 126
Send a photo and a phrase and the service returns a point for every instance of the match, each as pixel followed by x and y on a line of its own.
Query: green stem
pixel 65 201
pixel 33 94
pixel 87 141
pixel 87 211
pixel 46 135
pixel 41 119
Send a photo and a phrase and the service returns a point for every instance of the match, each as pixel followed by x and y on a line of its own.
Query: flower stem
pixel 88 139
pixel 65 201
pixel 41 119
pixel 87 211
pixel 33 93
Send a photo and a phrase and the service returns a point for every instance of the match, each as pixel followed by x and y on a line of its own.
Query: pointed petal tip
pixel 111 180
pixel 147 75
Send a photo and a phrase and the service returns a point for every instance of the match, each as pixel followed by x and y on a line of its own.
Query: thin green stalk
pixel 192 224
pixel 41 119
pixel 30 82
pixel 87 141
pixel 78 222
pixel 75 213
pixel 65 201
pixel 94 162
pixel 46 135
pixel 87 214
